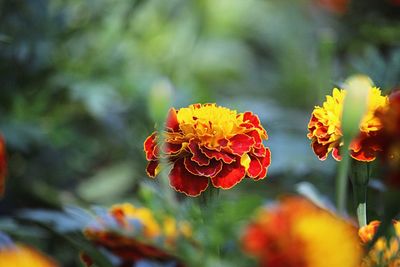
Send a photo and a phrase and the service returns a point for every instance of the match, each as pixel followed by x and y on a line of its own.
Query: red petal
pixel 198 155
pixel 226 158
pixel 229 176
pixel 185 182
pixel 260 152
pixel 209 171
pixel 150 147
pixel 172 123
pixel 265 162
pixel 255 167
pixel 170 148
pixel 336 154
pixel 256 137
pixel 253 119
pixel 151 168
pixel 320 150
pixel 240 144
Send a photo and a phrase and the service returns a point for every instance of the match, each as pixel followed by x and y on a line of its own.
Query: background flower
pixel 208 142
pixel 325 133
pixel 383 252
pixel 16 255
pixel 134 234
pixel 295 232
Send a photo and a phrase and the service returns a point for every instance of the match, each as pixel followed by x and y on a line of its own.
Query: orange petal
pixel 172 123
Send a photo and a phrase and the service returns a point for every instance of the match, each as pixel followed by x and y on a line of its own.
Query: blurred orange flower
pixel 325 133
pixel 336 6
pixel 15 255
pixel 389 138
pixel 295 232
pixel 133 234
pixel 208 142
pixel 383 253
pixel 3 165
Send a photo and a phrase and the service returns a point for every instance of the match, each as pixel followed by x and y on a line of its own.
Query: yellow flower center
pixel 209 122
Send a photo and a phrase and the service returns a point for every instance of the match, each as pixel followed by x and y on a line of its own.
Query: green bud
pixel 355 105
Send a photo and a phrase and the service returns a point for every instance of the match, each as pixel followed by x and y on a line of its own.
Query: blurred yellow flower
pixel 23 256
pixel 325 126
pixel 384 252
pixel 297 233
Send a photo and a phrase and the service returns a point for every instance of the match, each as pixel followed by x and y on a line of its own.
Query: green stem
pixel 342 182
pixel 359 179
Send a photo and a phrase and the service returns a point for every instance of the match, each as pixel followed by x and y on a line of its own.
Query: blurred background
pixel 77 79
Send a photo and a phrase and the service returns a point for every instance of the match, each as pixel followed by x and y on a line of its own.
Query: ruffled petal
pixel 240 144
pixel 265 162
pixel 320 150
pixel 198 155
pixel 255 167
pixel 172 123
pixel 209 171
pixel 218 155
pixel 185 182
pixel 229 176
pixel 150 146
pixel 152 168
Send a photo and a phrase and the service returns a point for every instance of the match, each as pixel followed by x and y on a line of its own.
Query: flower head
pixel 208 142
pixel 325 133
pixel 17 255
pixel 297 233
pixel 383 252
pixel 132 233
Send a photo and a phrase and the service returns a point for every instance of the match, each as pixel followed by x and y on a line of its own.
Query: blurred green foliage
pixel 76 80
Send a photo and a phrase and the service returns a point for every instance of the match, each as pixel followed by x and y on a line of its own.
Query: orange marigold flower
pixel 297 233
pixel 384 252
pixel 325 133
pixel 16 255
pixel 133 234
pixel 208 142
pixel 3 165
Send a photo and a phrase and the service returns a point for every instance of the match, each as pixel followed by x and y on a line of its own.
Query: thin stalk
pixel 342 183
pixel 359 179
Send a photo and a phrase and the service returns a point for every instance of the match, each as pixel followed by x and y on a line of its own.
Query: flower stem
pixel 359 179
pixel 341 183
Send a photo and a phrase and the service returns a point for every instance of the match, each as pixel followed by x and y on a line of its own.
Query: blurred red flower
pixel 208 142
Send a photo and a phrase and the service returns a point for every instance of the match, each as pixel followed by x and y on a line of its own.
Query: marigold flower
pixel 133 234
pixel 297 233
pixel 16 255
pixel 3 165
pixel 208 142
pixel 325 133
pixel 384 252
